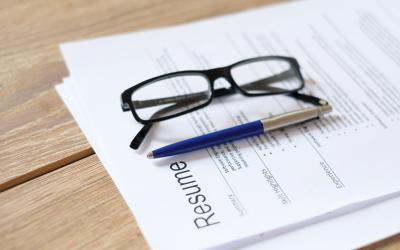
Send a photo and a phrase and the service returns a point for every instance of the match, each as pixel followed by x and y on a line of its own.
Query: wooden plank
pixel 37 134
pixel 390 243
pixel 37 137
pixel 78 206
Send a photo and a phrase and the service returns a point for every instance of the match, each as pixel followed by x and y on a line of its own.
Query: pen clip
pixel 310 99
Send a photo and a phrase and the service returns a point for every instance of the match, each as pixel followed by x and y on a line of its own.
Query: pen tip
pixel 325 109
pixel 150 155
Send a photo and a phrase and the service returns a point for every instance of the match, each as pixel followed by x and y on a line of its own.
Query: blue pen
pixel 240 131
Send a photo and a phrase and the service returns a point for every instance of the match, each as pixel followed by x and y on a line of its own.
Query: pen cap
pixel 294 117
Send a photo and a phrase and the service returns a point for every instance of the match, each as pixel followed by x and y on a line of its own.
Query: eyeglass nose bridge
pixel 222 72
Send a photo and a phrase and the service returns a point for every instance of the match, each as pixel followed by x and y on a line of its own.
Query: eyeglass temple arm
pixel 138 139
pixel 176 99
pixel 259 84
pixel 309 99
pixel 262 84
pixel 256 85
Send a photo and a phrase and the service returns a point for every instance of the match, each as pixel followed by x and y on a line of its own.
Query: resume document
pixel 262 186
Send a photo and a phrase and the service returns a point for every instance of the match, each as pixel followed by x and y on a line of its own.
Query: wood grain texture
pixel 37 134
pixel 390 243
pixel 78 207
pixel 75 207
pixel 37 137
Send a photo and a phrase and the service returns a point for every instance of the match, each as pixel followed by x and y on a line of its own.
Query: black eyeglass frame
pixel 211 75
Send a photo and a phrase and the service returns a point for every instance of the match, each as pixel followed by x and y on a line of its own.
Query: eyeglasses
pixel 175 94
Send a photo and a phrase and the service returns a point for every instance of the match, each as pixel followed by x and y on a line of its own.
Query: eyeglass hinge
pixel 125 107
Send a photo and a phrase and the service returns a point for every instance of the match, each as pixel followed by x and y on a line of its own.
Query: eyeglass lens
pixel 171 95
pixel 266 76
pixel 181 92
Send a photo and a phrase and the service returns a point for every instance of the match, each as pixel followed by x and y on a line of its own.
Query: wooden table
pixel 54 192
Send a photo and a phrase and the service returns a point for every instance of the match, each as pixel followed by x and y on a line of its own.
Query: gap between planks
pixel 46 169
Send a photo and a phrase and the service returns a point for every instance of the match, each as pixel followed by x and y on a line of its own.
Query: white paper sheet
pixel 323 200
pixel 366 225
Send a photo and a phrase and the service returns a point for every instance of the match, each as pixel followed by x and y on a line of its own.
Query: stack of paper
pixel 331 183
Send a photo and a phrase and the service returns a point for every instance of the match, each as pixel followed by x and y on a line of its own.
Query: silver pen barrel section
pixel 294 117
